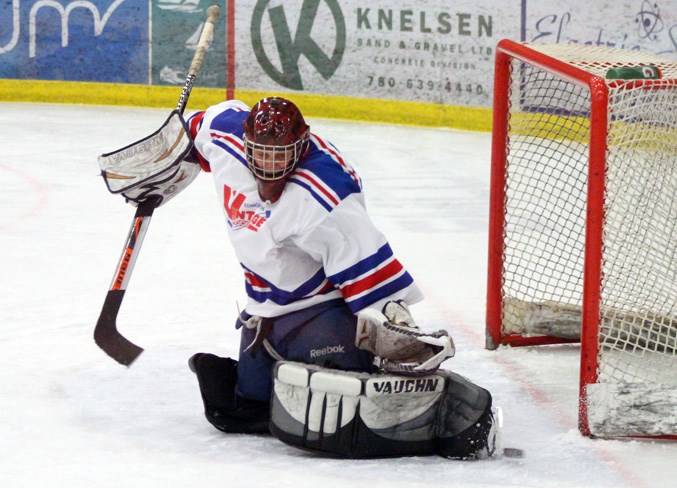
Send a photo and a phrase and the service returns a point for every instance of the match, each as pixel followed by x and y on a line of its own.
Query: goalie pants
pixel 323 334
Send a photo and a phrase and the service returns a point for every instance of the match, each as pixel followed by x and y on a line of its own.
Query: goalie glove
pixel 157 167
pixel 400 345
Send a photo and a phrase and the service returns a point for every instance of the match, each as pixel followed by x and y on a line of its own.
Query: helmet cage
pixel 272 162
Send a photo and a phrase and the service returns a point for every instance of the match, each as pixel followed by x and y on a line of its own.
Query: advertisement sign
pixel 638 24
pixel 430 51
pixel 84 40
pixel 176 28
pixel 433 51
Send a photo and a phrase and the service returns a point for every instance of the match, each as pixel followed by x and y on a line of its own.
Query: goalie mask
pixel 275 138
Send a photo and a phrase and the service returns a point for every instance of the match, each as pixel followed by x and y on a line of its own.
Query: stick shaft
pixel 137 232
pixel 106 334
pixel 203 43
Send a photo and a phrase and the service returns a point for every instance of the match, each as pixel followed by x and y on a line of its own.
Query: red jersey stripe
pixel 194 124
pixel 370 281
pixel 255 280
pixel 230 139
pixel 317 185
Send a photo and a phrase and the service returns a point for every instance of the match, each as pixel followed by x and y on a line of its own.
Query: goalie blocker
pixel 361 415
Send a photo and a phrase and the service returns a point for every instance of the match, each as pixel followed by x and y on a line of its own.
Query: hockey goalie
pixel 330 358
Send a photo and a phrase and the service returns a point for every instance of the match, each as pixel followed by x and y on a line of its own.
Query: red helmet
pixel 275 138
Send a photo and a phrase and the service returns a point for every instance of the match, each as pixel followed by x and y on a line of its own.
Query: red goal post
pixel 583 224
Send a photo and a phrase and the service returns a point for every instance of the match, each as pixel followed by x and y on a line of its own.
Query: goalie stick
pixel 106 334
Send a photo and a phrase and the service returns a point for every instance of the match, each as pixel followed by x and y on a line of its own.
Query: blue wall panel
pixel 106 40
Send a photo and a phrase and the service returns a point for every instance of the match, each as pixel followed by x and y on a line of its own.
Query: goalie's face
pixel 275 139
pixel 269 162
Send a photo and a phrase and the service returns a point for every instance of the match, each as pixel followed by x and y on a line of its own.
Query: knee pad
pixel 362 415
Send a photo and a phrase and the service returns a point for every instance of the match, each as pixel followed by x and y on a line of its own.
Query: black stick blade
pixel 107 336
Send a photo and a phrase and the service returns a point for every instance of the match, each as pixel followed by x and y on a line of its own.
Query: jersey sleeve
pixel 210 127
pixel 358 259
pixel 194 124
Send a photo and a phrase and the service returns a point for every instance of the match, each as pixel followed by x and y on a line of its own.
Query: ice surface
pixel 70 416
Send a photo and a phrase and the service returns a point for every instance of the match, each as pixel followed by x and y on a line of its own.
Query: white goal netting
pixel 546 220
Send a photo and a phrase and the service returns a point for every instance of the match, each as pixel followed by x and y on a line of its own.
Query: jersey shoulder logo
pixel 242 214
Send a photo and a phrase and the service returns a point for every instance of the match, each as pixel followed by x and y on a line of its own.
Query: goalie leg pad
pixel 360 415
pixel 465 424
pixel 224 409
pixel 354 415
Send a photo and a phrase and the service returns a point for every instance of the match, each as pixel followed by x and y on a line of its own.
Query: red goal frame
pixel 592 278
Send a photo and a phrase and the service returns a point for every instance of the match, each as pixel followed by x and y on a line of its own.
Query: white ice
pixel 71 416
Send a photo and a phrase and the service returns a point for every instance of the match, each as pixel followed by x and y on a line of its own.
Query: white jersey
pixel 316 243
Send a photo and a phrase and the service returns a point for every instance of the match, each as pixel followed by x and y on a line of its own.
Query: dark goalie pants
pixel 323 334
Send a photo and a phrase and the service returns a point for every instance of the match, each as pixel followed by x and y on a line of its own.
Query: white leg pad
pixel 364 415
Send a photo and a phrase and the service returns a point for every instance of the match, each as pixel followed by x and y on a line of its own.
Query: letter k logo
pixel 291 48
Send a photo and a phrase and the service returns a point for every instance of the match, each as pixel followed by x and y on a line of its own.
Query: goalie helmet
pixel 275 138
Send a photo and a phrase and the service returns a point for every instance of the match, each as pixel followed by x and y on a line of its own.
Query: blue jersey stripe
pixel 380 293
pixel 261 297
pixel 283 297
pixel 230 150
pixel 313 193
pixel 329 172
pixel 367 264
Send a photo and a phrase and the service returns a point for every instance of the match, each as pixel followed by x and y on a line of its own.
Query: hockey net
pixel 583 225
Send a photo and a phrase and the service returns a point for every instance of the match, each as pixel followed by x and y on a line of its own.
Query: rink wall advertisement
pixel 432 51
pixel 92 40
